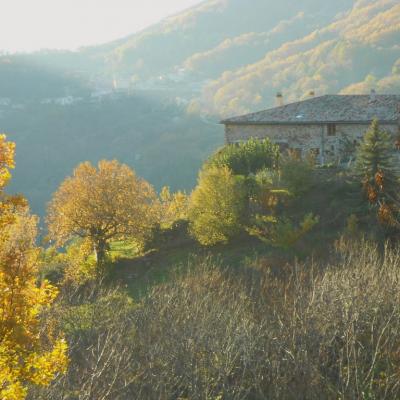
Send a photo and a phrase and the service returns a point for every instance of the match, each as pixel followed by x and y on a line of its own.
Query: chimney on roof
pixel 279 99
pixel 372 96
pixel 311 94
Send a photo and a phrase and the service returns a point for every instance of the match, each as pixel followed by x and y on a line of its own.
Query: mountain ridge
pixel 328 60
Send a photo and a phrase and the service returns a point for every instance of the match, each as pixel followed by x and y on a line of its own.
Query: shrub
pixel 281 232
pixel 247 157
pixel 99 329
pixel 319 333
pixel 296 175
pixel 312 332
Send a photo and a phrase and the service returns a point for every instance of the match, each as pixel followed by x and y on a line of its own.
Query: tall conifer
pixel 376 167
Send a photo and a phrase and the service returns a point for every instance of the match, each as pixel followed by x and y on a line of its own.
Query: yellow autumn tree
pixel 217 206
pixel 7 150
pixel 102 204
pixel 27 354
pixel 173 206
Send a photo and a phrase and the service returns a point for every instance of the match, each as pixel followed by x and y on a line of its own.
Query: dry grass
pixel 312 332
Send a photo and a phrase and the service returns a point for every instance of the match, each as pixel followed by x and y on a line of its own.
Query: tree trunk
pixel 100 249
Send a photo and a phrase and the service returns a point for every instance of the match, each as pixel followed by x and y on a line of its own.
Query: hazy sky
pixel 28 25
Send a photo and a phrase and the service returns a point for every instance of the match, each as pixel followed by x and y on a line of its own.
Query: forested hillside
pixel 157 138
pixel 184 37
pixel 249 49
pixel 192 38
pixel 354 53
pixel 22 79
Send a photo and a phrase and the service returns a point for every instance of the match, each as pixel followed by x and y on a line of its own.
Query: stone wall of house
pixel 305 138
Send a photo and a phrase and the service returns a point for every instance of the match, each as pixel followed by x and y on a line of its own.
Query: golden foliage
pixel 174 206
pixel 317 61
pixel 23 358
pixel 6 160
pixel 217 206
pixel 102 204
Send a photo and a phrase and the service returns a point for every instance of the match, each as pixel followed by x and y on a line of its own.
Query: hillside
pixel 185 39
pixel 357 51
pixel 156 137
pixel 249 49
pixel 178 39
pixel 24 79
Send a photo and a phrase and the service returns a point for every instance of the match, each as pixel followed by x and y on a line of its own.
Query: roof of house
pixel 327 109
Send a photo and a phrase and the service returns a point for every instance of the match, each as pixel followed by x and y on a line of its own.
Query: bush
pixel 247 157
pixel 310 332
pixel 316 335
pixel 99 328
pixel 76 265
pixel 217 206
pixel 173 236
pixel 296 175
pixel 281 232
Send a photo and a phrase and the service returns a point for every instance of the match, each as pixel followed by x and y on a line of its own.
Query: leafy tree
pixel 174 207
pixel 217 206
pixel 102 204
pixel 247 157
pixel 375 166
pixel 27 355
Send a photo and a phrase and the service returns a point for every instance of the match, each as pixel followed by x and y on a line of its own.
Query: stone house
pixel 330 126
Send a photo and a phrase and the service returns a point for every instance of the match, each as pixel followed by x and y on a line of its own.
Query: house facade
pixel 329 126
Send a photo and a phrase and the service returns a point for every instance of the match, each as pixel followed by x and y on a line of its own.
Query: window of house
pixel 331 130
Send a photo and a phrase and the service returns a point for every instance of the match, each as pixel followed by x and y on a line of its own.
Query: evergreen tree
pixel 375 166
pixel 375 153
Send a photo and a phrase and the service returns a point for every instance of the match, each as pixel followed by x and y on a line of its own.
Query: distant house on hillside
pixel 327 125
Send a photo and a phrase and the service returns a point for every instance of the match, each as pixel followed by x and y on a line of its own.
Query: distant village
pixel 176 85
